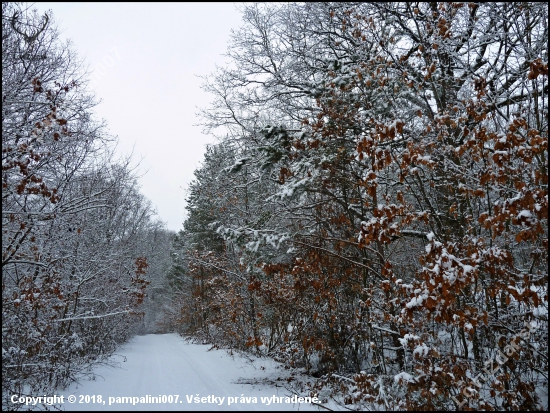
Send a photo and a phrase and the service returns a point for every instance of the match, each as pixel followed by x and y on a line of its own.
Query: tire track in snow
pixel 166 365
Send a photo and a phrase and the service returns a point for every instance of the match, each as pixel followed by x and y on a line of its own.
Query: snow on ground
pixel 164 364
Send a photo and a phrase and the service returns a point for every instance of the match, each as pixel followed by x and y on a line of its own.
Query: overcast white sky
pixel 151 54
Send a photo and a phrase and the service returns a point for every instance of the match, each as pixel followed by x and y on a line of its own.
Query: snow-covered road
pixel 164 364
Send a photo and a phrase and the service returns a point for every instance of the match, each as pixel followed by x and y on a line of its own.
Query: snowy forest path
pixel 164 364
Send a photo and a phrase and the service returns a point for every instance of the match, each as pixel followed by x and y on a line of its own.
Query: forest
pixel 374 214
pixel 80 244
